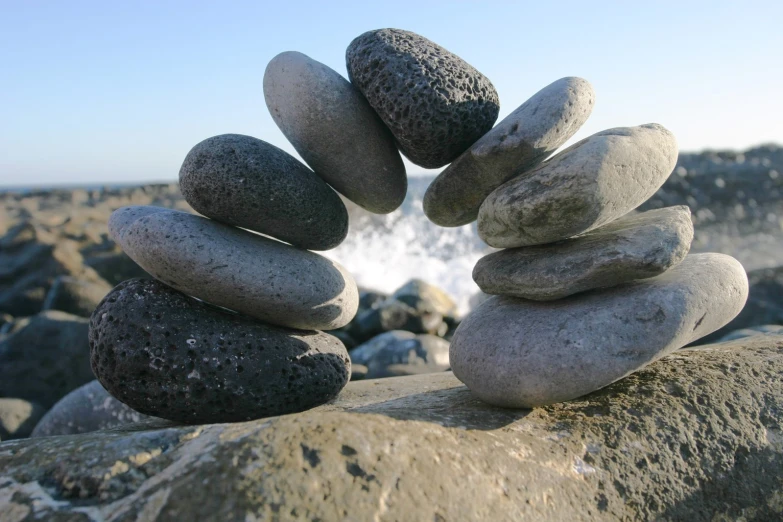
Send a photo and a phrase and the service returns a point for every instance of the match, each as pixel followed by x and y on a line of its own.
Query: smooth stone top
pixel 515 145
pixel 519 354
pixel 435 103
pixel 248 183
pixel 591 183
pixel 636 246
pixel 237 269
pixel 334 129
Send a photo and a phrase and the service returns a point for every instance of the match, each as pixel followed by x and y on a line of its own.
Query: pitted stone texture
pixel 636 246
pixel 236 269
pixel 334 129
pixel 593 182
pixel 514 146
pixel 168 355
pixel 519 354
pixel 87 408
pixel 435 103
pixel 248 183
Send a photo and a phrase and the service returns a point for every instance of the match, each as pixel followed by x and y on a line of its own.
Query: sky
pixel 118 92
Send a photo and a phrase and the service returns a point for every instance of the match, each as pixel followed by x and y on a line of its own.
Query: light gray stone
pixel 519 354
pixel 87 408
pixel 636 246
pixel 514 146
pixel 249 183
pixel 589 184
pixel 694 436
pixel 425 297
pixel 334 129
pixel 236 269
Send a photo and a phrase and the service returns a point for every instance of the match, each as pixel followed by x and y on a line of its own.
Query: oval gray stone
pixel 520 354
pixel 237 269
pixel 517 144
pixel 86 409
pixel 591 183
pixel 334 129
pixel 165 354
pixel 636 246
pixel 435 103
pixel 248 183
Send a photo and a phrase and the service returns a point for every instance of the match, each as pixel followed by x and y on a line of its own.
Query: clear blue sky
pixel 110 92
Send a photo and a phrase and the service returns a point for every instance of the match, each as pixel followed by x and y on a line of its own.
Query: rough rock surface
pixel 636 246
pixel 591 183
pixel 87 408
pixel 75 296
pixel 518 353
pixel 696 436
pixel 517 144
pixel 236 269
pixel 435 103
pixel 165 354
pixel 334 129
pixel 248 183
pixel 44 357
pixel 18 417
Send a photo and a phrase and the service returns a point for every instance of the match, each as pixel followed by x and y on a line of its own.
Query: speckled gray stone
pixel 591 183
pixel 636 246
pixel 334 129
pixel 435 103
pixel 171 356
pixel 237 269
pixel 515 145
pixel 248 183
pixel 87 408
pixel 518 353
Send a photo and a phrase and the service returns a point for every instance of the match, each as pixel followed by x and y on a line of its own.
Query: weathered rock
pixel 18 417
pixel 165 354
pixel 593 182
pixel 435 103
pixel 425 297
pixel 248 183
pixel 694 436
pixel 636 246
pixel 517 144
pixel 519 354
pixel 397 353
pixel 392 314
pixel 75 296
pixel 236 269
pixel 44 357
pixel 764 329
pixel 334 129
pixel 87 408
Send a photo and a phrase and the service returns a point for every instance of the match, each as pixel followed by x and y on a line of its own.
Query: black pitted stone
pixel 248 183
pixel 171 356
pixel 436 104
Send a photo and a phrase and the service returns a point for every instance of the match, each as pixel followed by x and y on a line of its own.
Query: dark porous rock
pixel 397 353
pixel 236 269
pixel 18 417
pixel 764 306
pixel 44 357
pixel 591 183
pixel 695 436
pixel 518 353
pixel 30 260
pixel 425 297
pixel 87 408
pixel 636 246
pixel 75 296
pixel 435 103
pixel 167 355
pixel 334 129
pixel 248 183
pixel 392 314
pixel 517 144
pixel 764 329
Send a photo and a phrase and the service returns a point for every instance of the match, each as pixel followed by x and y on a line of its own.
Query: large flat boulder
pixel 697 435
